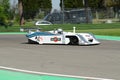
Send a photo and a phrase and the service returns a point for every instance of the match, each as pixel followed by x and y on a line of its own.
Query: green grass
pixel 10 29
pixel 112 29
pixel 108 32
pixel 83 26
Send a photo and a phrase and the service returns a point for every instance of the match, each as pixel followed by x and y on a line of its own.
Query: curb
pixel 114 38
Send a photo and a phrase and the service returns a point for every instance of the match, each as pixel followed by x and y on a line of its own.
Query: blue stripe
pixel 39 34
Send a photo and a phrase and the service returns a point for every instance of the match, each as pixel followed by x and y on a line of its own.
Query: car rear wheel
pixel 73 40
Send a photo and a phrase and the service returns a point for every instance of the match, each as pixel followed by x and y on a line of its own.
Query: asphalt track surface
pixel 100 61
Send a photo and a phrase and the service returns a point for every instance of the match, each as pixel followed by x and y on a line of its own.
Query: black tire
pixel 31 42
pixel 73 41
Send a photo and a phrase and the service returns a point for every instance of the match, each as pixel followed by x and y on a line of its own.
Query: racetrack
pixel 101 61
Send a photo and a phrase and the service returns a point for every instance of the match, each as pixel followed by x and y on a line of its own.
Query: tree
pixel 94 3
pixel 3 17
pixel 72 3
pixel 81 3
pixel 4 12
pixel 29 8
pixel 116 8
pixel 20 5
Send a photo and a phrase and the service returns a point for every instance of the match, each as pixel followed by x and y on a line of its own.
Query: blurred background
pixel 47 12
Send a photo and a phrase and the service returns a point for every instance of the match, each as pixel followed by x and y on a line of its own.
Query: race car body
pixel 60 37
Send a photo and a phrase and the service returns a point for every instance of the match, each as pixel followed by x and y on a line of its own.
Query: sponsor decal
pixel 39 38
pixel 55 39
pixel 87 35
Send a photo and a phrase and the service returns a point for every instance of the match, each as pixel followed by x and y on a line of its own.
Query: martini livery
pixel 60 37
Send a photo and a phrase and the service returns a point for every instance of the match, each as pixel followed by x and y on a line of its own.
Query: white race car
pixel 61 37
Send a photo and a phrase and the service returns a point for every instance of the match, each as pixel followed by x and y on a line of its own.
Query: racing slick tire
pixel 31 42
